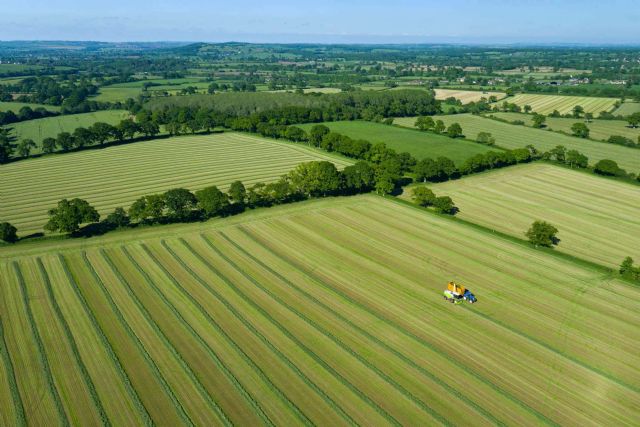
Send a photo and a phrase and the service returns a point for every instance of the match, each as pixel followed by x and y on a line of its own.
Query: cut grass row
pixel 466 96
pixel 279 319
pixel 598 129
pixel 578 204
pixel 546 104
pixel 513 136
pixel 418 144
pixel 116 176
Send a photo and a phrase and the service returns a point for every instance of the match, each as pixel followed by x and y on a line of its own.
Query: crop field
pixel 326 312
pixel 419 144
pixel 466 96
pixel 545 104
pixel 40 129
pixel 627 108
pixel 598 129
pixel 514 136
pixel 578 204
pixel 117 176
pixel 16 106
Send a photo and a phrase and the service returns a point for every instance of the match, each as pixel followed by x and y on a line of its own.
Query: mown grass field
pixel 627 108
pixel 16 106
pixel 514 136
pixel 40 129
pixel 466 96
pixel 598 129
pixel 580 205
pixel 117 176
pixel 419 144
pixel 545 104
pixel 321 313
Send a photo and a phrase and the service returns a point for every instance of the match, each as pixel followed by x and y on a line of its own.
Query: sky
pixel 325 21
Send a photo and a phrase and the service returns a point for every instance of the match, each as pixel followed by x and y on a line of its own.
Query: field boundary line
pixel 72 343
pixel 331 337
pixel 150 362
pixel 107 345
pixel 164 338
pixel 264 339
pixel 227 337
pixel 364 332
pixel 44 361
pixel 21 418
pixel 397 327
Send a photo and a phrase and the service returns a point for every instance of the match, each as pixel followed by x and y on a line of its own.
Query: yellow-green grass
pixel 16 106
pixel 598 129
pixel 627 108
pixel 546 104
pixel 597 217
pixel 40 129
pixel 467 96
pixel 117 176
pixel 327 312
pixel 418 144
pixel 514 136
pixel 115 94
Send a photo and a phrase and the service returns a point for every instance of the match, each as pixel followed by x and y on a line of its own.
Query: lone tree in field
pixel 580 130
pixel 634 120
pixel 424 123
pixel 628 271
pixel 423 196
pixel 69 214
pixel 542 233
pixel 454 130
pixel 485 138
pixel 538 120
pixel 577 111
pixel 8 232
pixel 444 204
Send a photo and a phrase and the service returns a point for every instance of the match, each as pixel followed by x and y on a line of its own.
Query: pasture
pixel 327 312
pixel 467 96
pixel 513 136
pixel 578 204
pixel 598 129
pixel 546 104
pixel 40 129
pixel 627 108
pixel 16 106
pixel 117 176
pixel 418 144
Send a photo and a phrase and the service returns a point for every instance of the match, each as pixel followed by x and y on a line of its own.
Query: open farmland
pixel 546 104
pixel 16 106
pixel 598 129
pixel 578 204
pixel 40 129
pixel 514 136
pixel 627 108
pixel 418 144
pixel 322 313
pixel 466 96
pixel 116 176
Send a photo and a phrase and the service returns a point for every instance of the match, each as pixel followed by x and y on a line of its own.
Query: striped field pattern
pixel 597 217
pixel 117 176
pixel 326 312
pixel 467 96
pixel 514 136
pixel 546 104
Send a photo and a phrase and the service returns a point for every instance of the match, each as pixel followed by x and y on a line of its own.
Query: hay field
pixel 116 176
pixel 598 129
pixel 580 205
pixel 545 104
pixel 467 96
pixel 514 136
pixel 321 313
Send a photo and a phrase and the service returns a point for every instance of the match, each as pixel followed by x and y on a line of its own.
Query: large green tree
pixel 212 201
pixel 25 146
pixel 8 232
pixel 315 178
pixel 423 196
pixel 68 215
pixel 542 233
pixel 179 202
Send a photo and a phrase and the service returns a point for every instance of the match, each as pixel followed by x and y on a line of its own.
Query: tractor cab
pixel 457 294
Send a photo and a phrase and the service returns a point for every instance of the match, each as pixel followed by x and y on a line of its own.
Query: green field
pixel 627 108
pixel 326 312
pixel 115 94
pixel 513 136
pixel 545 104
pixel 123 91
pixel 16 106
pixel 419 144
pixel 116 176
pixel 578 204
pixel 40 129
pixel 598 129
